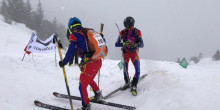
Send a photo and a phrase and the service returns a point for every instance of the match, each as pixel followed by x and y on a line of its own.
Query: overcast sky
pixel 171 29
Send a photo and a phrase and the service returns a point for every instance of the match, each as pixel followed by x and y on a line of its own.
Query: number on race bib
pixel 100 40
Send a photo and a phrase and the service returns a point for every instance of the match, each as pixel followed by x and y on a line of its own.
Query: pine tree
pixel 3 8
pixel 38 18
pixel 200 55
pixel 21 12
pixel 28 14
pixel 178 60
pixel 54 24
pixel 47 29
pixel 4 11
pixel 195 59
pixel 16 10
pixel 61 31
pixel 216 57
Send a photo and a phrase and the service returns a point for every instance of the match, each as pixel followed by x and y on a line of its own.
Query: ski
pixel 120 88
pixel 59 95
pixel 48 106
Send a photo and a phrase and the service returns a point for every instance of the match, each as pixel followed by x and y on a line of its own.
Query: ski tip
pixel 55 94
pixel 36 102
pixel 144 75
pixel 131 108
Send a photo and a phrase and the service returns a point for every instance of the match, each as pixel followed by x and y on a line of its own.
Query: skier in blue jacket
pixel 88 69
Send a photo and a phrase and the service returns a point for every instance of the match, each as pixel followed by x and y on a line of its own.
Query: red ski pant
pixel 136 62
pixel 89 71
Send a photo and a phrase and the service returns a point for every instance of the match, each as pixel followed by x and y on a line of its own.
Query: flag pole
pixel 23 56
pixel 55 58
pixel 64 73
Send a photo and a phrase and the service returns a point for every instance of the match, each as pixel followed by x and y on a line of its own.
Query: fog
pixel 171 29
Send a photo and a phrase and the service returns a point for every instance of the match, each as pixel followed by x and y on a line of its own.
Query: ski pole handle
pixel 101 29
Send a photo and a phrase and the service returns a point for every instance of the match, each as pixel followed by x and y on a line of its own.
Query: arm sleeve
pixel 140 40
pixel 118 42
pixel 69 53
pixel 141 43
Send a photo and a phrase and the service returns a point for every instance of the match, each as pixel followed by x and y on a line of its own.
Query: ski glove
pixel 61 64
pixel 134 46
pixel 125 43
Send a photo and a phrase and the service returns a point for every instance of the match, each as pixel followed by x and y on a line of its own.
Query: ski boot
pixel 98 96
pixel 85 107
pixel 127 84
pixel 134 90
pixel 134 86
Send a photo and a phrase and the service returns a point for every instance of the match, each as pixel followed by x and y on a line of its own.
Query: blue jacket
pixel 75 39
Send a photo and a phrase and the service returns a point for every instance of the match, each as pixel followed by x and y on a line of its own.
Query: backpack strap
pixel 76 55
pixel 122 33
pixel 88 53
pixel 137 32
pixel 84 31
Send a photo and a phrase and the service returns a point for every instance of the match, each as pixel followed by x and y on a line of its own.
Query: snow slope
pixel 167 86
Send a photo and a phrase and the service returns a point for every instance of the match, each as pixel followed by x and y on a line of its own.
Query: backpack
pixel 95 44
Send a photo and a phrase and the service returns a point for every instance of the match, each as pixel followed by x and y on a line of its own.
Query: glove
pixel 61 64
pixel 55 38
pixel 134 46
pixel 60 44
pixel 125 43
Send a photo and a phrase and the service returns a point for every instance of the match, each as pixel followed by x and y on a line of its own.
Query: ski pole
pixel 98 77
pixel 123 62
pixel 33 56
pixel 101 30
pixel 64 73
pixel 55 58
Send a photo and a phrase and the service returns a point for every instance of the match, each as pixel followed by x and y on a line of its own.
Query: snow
pixel 168 86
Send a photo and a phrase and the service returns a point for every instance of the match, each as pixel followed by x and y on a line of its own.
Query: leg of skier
pixel 98 93
pixel 126 74
pixel 136 63
pixel 88 73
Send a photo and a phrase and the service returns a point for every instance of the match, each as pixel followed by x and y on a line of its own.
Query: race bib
pixel 100 40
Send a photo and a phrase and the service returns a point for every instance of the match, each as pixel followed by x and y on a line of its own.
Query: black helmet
pixel 129 22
